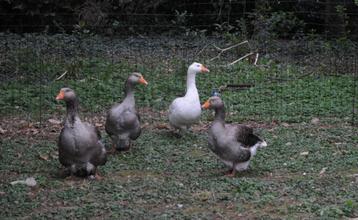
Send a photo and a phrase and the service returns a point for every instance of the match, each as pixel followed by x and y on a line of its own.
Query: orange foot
pixel 231 173
pixel 98 177
pixel 112 150
pixel 125 149
pixel 71 178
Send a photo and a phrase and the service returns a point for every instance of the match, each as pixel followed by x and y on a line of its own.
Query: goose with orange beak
pixel 123 122
pixel 79 145
pixel 185 111
pixel 234 144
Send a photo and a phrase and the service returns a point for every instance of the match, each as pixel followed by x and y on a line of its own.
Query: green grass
pixel 163 177
pixel 166 177
pixel 99 83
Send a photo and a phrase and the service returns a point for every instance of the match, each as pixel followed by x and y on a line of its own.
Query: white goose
pixel 185 111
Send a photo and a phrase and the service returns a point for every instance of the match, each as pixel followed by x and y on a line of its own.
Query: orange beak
pixel 204 69
pixel 60 96
pixel 206 105
pixel 142 81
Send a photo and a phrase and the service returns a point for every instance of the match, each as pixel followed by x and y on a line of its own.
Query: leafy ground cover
pixel 309 170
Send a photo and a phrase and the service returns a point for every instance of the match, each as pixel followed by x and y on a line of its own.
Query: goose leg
pixel 92 172
pixel 71 178
pixel 65 172
pixel 112 149
pixel 177 133
pixel 98 176
pixel 123 145
pixel 232 171
pixel 120 143
pixel 71 170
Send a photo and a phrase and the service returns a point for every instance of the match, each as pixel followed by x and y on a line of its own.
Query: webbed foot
pixel 231 173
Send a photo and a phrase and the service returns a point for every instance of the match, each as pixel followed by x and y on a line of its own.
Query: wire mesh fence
pixel 296 87
pixel 261 78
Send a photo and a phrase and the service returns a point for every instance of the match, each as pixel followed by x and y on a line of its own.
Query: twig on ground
pixel 60 77
pixel 222 50
pixel 256 59
pixel 241 58
pixel 235 87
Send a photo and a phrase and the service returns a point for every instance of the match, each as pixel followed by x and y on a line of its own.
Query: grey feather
pixel 123 121
pixel 234 144
pixel 79 145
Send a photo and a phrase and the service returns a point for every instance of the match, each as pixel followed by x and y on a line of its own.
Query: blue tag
pixel 215 92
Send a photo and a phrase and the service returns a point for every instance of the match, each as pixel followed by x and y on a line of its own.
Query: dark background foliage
pixel 332 17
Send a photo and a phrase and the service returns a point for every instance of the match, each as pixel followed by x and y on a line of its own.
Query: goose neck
pixel 72 110
pixel 129 93
pixel 190 83
pixel 220 115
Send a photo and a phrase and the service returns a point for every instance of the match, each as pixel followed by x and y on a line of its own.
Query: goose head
pixel 66 94
pixel 213 102
pixel 136 78
pixel 197 68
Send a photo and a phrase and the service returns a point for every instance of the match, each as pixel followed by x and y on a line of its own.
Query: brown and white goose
pixel 79 145
pixel 236 144
pixel 122 123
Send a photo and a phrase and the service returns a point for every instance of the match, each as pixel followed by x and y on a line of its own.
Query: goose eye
pixel 198 65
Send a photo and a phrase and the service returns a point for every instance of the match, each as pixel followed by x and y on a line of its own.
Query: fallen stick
pixel 256 59
pixel 236 86
pixel 241 58
pixel 222 50
pixel 60 77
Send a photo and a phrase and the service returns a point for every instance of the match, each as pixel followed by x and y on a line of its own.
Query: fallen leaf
pixel 322 171
pixel 54 121
pixel 288 144
pixel 23 124
pixel 43 157
pixel 34 131
pixel 315 121
pixel 162 126
pixel 2 131
pixel 305 153
pixel 284 124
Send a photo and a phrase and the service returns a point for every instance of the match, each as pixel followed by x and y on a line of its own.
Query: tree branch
pixel 241 58
pixel 222 50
